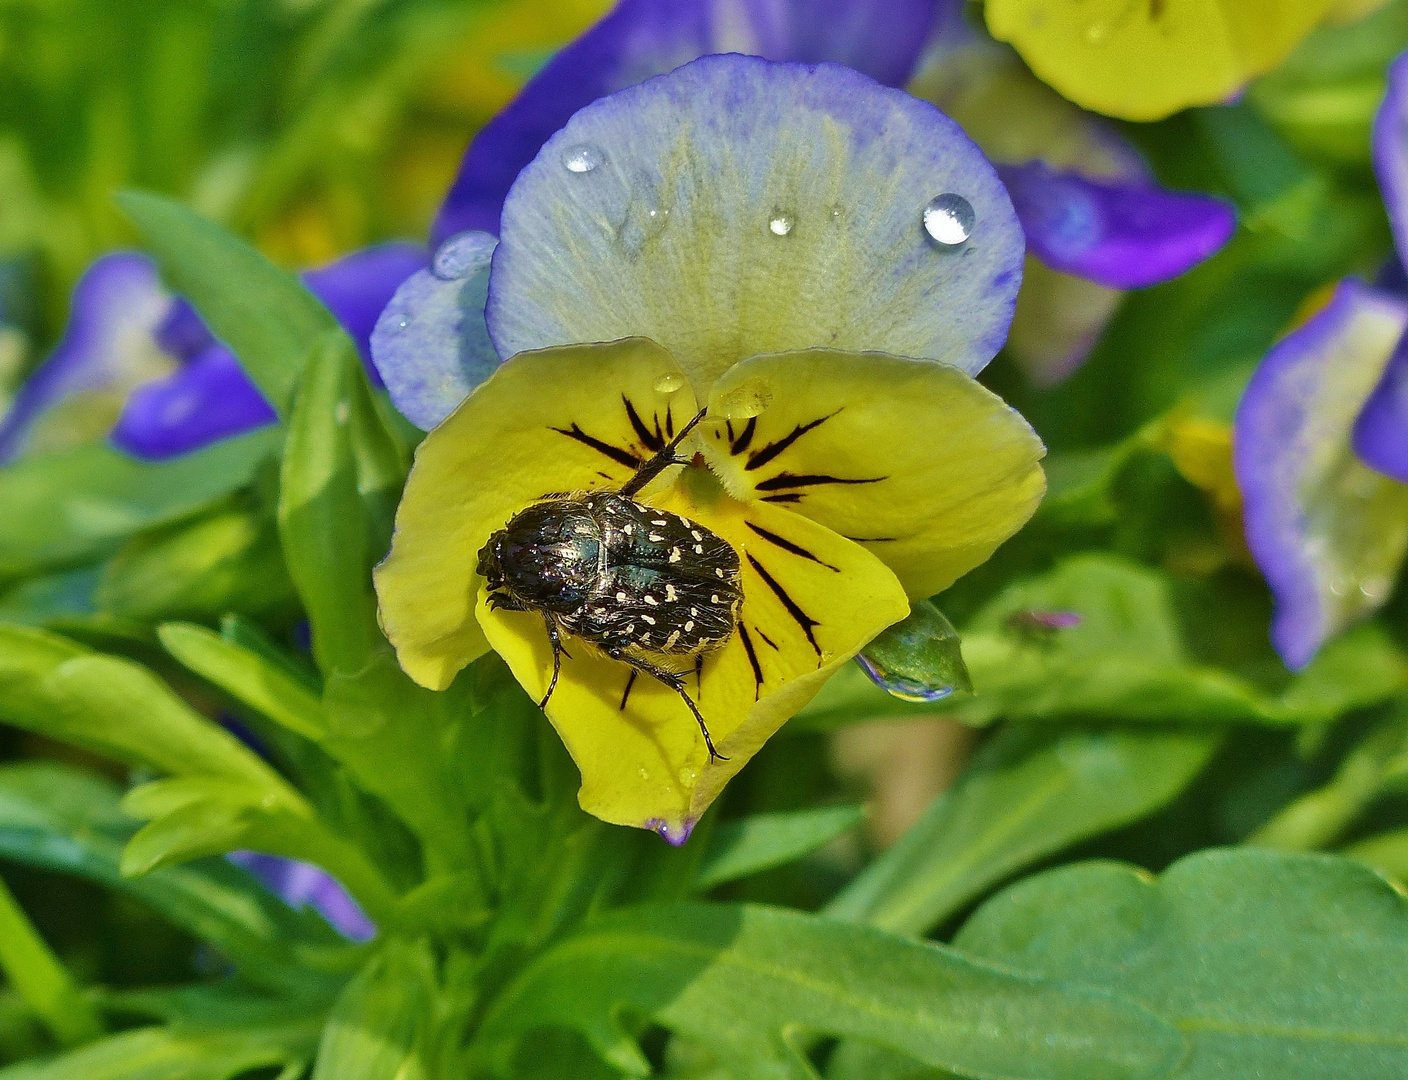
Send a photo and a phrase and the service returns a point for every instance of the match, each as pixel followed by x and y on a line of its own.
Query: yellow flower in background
pixel 726 243
pixel 1146 59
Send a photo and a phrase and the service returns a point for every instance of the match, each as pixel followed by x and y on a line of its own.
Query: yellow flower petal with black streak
pixel 914 459
pixel 573 418
pixel 812 600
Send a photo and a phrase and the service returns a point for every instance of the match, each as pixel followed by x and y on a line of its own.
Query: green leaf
pixel 326 536
pixel 61 509
pixel 53 687
pixel 179 1054
pixel 228 560
pixel 1292 966
pixel 1026 796
pixel 257 681
pixel 378 1026
pixel 55 817
pixel 739 849
pixel 263 313
pixel 1137 653
pixel 36 973
pixel 750 983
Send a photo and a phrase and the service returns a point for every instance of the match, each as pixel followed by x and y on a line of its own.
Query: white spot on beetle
pixel 699 549
pixel 648 618
pixel 621 597
pixel 696 534
pixel 670 641
pixel 656 537
pixel 671 595
pixel 651 600
pixel 675 554
pixel 718 572
pixel 660 522
pixel 689 624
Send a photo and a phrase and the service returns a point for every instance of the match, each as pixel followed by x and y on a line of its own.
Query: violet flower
pixel 1321 438
pixel 1120 232
pixel 140 364
pixel 301 884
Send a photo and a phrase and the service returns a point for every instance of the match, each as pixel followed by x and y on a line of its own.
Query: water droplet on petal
pixel 461 255
pixel 780 224
pixel 902 686
pixel 643 772
pixel 688 776
pixel 582 158
pixel 745 401
pixel 949 219
pixel 669 382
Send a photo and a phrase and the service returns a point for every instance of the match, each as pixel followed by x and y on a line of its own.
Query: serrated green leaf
pixel 253 679
pixel 378 1025
pixel 53 687
pixel 263 313
pixel 739 849
pixel 170 1054
pixel 1292 966
pixel 1026 796
pixel 228 560
pixel 62 509
pixel 749 982
pixel 55 817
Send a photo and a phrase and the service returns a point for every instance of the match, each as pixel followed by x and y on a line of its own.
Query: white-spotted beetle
pixel 637 583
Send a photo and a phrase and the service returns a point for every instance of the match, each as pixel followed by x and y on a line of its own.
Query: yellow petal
pixel 642 757
pixel 1146 59
pixel 912 458
pixel 563 419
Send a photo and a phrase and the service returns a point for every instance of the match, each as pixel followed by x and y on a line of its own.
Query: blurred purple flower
pixel 301 884
pixel 140 364
pixel 1321 437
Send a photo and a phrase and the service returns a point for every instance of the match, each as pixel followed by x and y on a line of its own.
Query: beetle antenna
pixel 662 460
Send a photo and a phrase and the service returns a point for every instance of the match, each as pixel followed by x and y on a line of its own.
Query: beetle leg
pixel 674 682
pixel 654 466
pixel 555 638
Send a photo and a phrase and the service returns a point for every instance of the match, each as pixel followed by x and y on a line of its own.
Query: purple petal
pixel 301 884
pixel 1327 532
pixel 107 348
pixel 183 333
pixel 1381 432
pixel 1124 236
pixel 643 38
pixel 357 288
pixel 737 206
pixel 1390 151
pixel 431 345
pixel 209 399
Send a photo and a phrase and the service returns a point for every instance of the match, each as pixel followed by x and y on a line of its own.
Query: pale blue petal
pixel 430 344
pixel 737 206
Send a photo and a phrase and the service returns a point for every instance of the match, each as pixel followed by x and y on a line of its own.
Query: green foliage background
pixel 1157 862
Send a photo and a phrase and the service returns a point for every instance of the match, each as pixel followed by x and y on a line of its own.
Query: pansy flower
pixel 814 262
pixel 1096 223
pixel 140 364
pixel 1321 438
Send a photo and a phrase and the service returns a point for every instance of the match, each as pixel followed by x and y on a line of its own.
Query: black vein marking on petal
pixel 758 630
pixel 728 425
pixel 626 693
pixel 659 434
pixel 669 421
pixel 744 439
pixel 605 476
pixel 615 453
pixel 800 617
pixel 796 480
pixel 651 440
pixel 752 661
pixel 791 497
pixel 767 453
pixel 872 539
pixel 788 545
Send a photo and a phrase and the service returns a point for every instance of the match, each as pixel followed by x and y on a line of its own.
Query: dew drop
pixel 949 219
pixel 688 776
pixel 669 382
pixel 643 773
pixel 745 401
pixel 461 256
pixel 582 158
pixel 1375 589
pixel 1096 32
pixel 901 686
pixel 780 224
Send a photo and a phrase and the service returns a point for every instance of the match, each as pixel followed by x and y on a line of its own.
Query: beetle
pixel 640 585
